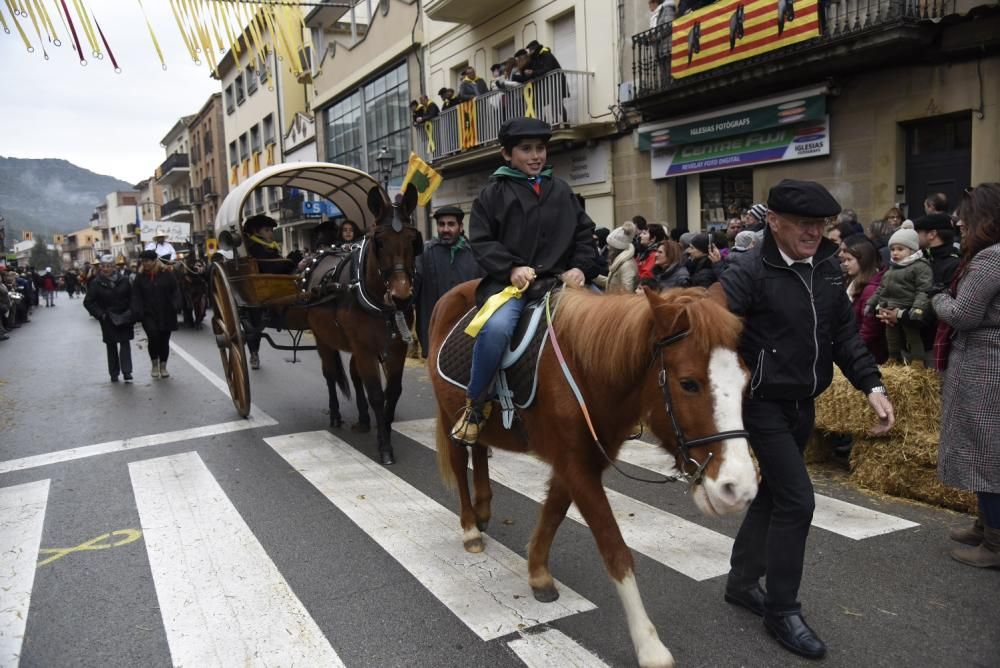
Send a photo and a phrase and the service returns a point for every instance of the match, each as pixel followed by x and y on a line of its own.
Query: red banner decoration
pixel 728 31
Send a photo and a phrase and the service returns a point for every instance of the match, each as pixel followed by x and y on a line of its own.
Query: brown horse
pixel 367 320
pixel 669 360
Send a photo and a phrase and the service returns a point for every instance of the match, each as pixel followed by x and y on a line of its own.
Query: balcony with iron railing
pixel 560 98
pixel 173 207
pixel 174 169
pixel 851 32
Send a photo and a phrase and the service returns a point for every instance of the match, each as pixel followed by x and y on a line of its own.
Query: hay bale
pixel 915 394
pixel 906 468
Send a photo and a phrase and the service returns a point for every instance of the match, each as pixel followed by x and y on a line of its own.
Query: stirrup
pixel 466 429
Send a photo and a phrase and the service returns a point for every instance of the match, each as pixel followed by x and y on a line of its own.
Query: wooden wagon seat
pixel 254 287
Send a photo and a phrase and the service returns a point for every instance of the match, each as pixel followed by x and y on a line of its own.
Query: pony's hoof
pixel 545 594
pixel 474 545
pixel 336 422
pixel 361 427
pixel 387 458
pixel 655 655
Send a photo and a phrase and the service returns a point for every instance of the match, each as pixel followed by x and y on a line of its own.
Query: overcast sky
pixel 108 123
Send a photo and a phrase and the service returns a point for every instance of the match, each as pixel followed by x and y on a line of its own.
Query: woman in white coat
pixel 622 273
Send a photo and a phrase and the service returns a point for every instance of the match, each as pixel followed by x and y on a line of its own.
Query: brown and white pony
pixel 619 348
pixel 362 321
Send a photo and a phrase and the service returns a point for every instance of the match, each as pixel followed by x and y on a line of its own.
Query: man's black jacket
pixel 797 323
pixel 438 269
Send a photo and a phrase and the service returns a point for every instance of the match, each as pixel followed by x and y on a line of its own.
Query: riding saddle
pixel 517 380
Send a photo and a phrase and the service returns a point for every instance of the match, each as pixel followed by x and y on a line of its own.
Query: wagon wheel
pixel 229 338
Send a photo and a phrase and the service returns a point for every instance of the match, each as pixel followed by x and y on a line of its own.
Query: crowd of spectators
pixel 22 290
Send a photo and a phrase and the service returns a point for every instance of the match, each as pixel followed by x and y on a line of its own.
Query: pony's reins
pixel 683 444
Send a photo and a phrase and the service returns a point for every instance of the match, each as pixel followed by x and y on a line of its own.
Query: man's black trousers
pixel 772 539
pixel 119 358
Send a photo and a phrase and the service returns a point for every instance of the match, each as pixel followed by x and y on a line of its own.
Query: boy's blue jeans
pixel 491 344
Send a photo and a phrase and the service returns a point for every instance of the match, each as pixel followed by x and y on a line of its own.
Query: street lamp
pixel 384 161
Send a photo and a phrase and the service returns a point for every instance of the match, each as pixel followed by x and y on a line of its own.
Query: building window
pixel 244 147
pixel 375 115
pixel 255 139
pixel 234 158
pixel 251 81
pixel 207 143
pixel 230 105
pixel 240 95
pixel 258 201
pixel 262 69
pixel 269 129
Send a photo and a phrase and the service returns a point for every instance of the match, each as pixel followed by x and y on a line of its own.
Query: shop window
pixel 725 195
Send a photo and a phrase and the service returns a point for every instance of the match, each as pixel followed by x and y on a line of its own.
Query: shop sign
pixel 728 31
pixel 319 208
pixel 176 232
pixel 773 115
pixel 808 140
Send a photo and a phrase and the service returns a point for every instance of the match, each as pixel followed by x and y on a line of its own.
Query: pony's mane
pixel 615 333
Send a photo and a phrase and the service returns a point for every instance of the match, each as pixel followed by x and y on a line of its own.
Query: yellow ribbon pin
pixel 429 129
pixel 128 536
pixel 529 100
pixel 490 307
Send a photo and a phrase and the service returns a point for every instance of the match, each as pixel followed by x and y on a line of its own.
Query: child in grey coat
pixel 904 288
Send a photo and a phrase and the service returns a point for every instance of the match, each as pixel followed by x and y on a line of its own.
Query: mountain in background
pixel 50 196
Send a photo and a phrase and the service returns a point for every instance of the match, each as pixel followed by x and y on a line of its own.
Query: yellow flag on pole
pixel 423 177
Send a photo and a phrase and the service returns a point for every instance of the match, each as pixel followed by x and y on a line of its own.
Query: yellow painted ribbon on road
pixel 529 100
pixel 429 129
pixel 127 536
pixel 491 306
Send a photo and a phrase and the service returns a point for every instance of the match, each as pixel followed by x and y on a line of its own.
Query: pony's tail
pixel 444 447
pixel 340 375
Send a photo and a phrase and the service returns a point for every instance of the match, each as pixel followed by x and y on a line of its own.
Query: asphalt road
pixel 212 531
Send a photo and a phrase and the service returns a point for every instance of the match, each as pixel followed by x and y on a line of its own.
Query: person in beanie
pixel 156 298
pixel 446 261
pixel 622 270
pixel 527 230
pixel 969 456
pixel 790 292
pixel 109 300
pixel 904 289
pixel 705 263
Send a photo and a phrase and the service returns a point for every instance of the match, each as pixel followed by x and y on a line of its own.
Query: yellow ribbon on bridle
pixel 491 306
pixel 429 129
pixel 529 100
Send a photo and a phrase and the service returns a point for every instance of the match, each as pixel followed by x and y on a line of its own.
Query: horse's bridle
pixel 684 445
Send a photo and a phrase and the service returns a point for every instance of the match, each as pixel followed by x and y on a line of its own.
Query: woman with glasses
pixel 969 455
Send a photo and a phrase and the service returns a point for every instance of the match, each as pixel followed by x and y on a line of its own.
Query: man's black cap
pixel 256 222
pixel 521 128
pixel 450 211
pixel 147 255
pixel 533 45
pixel 802 198
pixel 933 221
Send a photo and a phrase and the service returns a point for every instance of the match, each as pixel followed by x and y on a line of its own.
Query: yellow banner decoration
pixel 152 36
pixel 256 161
pixel 467 125
pixel 529 99
pixel 491 306
pixel 235 178
pixel 423 177
pixel 269 149
pixel 246 167
pixel 429 129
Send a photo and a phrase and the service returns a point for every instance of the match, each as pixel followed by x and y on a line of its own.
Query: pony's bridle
pixel 684 445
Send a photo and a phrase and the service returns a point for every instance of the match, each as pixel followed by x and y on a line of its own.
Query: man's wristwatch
pixel 879 389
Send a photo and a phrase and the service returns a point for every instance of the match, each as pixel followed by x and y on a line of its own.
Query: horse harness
pixel 684 444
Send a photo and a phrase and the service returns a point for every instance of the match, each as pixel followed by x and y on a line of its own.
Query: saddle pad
pixel 454 362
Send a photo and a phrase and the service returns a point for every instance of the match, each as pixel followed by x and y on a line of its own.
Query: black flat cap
pixel 256 222
pixel 450 211
pixel 802 198
pixel 442 92
pixel 520 128
pixel 147 255
pixel 933 221
pixel 533 44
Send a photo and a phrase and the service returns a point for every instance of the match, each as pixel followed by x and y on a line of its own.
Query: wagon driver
pixel 259 233
pixel 797 323
pixel 526 230
pixel 163 248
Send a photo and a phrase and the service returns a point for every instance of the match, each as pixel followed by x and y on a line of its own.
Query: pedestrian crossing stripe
pixel 222 599
pixel 22 516
pixel 553 648
pixel 488 592
pixel 686 547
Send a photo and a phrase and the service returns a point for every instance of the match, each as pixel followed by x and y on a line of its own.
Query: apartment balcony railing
pixel 208 188
pixel 840 21
pixel 173 206
pixel 559 98
pixel 175 161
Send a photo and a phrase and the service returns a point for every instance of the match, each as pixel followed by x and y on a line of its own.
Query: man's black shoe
pixel 795 635
pixel 751 598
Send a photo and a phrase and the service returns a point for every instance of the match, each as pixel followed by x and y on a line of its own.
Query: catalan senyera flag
pixel 467 124
pixel 732 30
pixel 423 177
